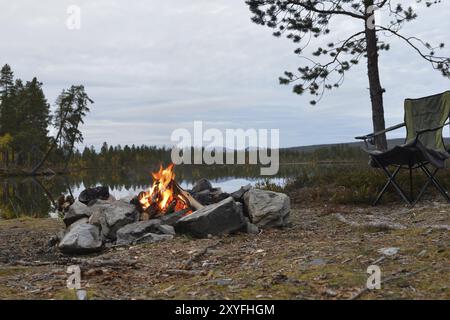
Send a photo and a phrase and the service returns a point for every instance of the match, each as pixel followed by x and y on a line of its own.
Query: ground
pixel 317 257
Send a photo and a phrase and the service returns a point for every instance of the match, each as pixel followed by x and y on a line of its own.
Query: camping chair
pixel 424 145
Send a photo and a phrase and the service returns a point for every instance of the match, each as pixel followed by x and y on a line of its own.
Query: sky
pixel 155 66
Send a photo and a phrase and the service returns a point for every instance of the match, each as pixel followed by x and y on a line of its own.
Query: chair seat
pixel 409 154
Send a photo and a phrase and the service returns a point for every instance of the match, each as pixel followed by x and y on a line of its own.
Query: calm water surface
pixel 26 196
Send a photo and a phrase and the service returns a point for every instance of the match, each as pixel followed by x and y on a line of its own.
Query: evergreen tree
pixel 303 21
pixel 31 118
pixel 6 88
pixel 72 108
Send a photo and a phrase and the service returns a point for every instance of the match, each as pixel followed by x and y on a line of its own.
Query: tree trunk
pixel 52 146
pixel 376 91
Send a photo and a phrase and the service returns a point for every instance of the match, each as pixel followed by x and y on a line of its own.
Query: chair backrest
pixel 427 113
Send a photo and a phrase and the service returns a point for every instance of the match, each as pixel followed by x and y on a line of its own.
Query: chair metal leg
pixel 422 191
pixel 432 178
pixel 391 180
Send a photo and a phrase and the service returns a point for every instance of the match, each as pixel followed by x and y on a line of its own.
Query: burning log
pixel 165 196
pixel 187 196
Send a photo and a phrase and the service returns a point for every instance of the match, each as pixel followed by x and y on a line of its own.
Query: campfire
pixel 96 219
pixel 165 196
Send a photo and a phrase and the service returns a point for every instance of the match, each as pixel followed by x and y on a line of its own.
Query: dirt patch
pixel 318 257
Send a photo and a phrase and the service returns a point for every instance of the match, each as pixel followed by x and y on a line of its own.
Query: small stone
pixel 82 295
pixel 392 251
pixel 223 282
pixel 318 262
pixel 331 293
pixel 252 228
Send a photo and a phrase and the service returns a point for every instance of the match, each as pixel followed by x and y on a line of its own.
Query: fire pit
pixel 166 209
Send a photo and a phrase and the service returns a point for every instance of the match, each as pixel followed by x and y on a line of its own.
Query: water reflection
pixel 34 197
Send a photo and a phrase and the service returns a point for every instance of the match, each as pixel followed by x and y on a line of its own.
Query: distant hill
pixel 358 144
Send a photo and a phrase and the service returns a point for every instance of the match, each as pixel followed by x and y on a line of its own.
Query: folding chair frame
pixel 410 200
pixel 391 176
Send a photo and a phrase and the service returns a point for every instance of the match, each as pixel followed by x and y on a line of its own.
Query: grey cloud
pixel 153 66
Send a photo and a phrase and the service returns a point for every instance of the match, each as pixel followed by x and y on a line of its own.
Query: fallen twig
pixel 77 261
pixel 379 225
pixel 438 227
pixel 184 272
pixel 188 263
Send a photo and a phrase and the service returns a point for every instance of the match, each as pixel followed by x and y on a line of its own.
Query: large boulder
pixel 111 216
pixel 76 212
pixel 90 194
pixel 267 208
pixel 132 232
pixel 219 218
pixel 81 239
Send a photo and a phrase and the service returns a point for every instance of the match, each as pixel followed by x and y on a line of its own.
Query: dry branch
pixel 190 199
pixel 379 225
pixel 187 264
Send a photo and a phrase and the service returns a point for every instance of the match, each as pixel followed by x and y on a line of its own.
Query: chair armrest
pixel 419 132
pixel 373 135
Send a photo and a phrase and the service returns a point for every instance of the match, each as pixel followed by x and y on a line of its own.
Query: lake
pixel 28 196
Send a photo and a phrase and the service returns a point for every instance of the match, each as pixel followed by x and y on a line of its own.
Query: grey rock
pixel 267 208
pixel 152 238
pixel 111 216
pixel 127 198
pixel 166 229
pixel 220 218
pixel 76 211
pixel 172 218
pixel 81 239
pixel 201 185
pixel 110 199
pixel 251 228
pixel 132 232
pixel 239 194
pixel 83 220
pixel 210 196
pixel 90 194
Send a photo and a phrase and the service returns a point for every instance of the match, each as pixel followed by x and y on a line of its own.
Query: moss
pixel 10 271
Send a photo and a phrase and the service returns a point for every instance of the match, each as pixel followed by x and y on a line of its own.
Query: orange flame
pixel 161 194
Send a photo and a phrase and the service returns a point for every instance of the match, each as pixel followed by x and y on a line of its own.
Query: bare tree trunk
pixel 66 166
pixel 376 91
pixel 52 146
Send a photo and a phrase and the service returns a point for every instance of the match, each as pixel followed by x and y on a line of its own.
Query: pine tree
pixel 303 21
